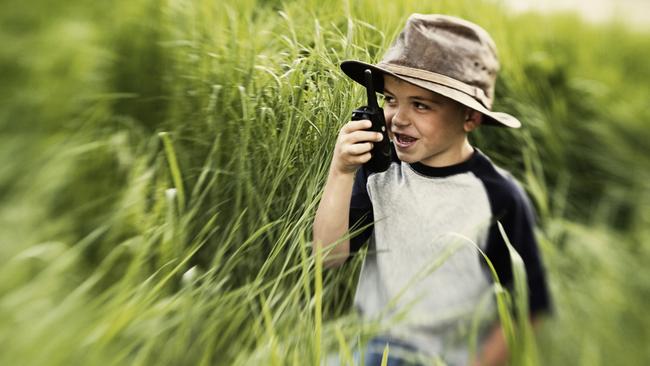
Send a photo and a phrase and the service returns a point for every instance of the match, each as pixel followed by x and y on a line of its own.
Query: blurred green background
pixel 161 161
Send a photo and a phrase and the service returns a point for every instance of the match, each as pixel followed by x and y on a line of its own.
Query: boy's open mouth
pixel 404 141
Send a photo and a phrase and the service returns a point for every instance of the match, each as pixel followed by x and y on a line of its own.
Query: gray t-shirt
pixel 423 274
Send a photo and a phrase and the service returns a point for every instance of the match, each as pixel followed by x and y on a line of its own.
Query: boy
pixel 439 197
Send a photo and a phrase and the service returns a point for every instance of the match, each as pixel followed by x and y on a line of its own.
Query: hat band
pixel 472 91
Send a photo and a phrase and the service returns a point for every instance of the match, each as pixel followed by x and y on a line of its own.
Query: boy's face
pixel 424 126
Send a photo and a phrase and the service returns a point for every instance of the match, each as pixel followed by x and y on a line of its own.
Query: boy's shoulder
pixel 479 164
pixel 501 187
pixel 497 180
pixel 504 191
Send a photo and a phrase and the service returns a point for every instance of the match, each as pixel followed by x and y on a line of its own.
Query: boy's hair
pixel 444 54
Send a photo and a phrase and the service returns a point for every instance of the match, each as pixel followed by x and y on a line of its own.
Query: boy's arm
pixel 331 221
pixel 518 223
pixel 494 351
pixel 352 149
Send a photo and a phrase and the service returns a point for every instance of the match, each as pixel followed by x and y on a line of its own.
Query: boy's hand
pixel 353 146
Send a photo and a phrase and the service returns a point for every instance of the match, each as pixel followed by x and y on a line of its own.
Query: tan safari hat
pixel 446 55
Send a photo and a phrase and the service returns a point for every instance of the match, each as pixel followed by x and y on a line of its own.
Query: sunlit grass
pixel 161 165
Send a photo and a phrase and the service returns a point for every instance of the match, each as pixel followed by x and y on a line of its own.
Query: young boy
pixel 438 200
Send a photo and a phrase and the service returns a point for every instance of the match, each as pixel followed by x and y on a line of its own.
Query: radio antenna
pixel 370 90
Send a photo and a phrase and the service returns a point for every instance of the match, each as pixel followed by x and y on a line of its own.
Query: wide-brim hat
pixel 446 55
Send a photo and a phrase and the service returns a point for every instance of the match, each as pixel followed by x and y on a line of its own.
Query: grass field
pixel 161 162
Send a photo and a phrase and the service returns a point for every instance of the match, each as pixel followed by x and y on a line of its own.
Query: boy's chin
pixel 407 158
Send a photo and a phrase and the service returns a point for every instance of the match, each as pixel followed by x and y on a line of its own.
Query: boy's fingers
pixel 360 148
pixel 362 159
pixel 361 136
pixel 356 125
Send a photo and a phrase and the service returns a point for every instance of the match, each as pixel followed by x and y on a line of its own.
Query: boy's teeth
pixel 404 138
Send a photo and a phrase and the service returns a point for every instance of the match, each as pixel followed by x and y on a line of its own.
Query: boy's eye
pixel 420 106
pixel 388 99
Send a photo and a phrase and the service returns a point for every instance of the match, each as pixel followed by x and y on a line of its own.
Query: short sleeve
pixel 518 220
pixel 360 211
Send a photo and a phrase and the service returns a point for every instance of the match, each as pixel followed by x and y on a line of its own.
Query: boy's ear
pixel 473 119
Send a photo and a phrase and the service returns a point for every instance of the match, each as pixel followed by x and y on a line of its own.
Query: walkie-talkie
pixel 380 159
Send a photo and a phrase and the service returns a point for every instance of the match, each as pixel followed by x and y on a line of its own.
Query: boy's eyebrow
pixel 416 97
pixel 428 99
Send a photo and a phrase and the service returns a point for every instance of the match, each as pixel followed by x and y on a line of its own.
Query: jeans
pixel 399 353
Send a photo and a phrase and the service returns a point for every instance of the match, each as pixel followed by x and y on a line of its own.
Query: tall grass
pixel 162 161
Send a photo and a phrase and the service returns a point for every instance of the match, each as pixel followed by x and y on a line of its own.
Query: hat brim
pixel 355 70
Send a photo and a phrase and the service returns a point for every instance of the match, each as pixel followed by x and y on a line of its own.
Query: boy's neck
pixel 453 156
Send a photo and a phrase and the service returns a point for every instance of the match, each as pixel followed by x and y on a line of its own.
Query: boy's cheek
pixel 388 117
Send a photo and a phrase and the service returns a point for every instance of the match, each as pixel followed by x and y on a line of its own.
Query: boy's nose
pixel 399 119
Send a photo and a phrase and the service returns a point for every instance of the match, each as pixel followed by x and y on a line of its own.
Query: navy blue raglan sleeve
pixel 360 210
pixel 518 219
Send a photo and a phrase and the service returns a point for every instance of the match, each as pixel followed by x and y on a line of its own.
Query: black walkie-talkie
pixel 380 159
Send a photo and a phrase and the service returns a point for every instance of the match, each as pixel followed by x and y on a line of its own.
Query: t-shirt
pixel 423 272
